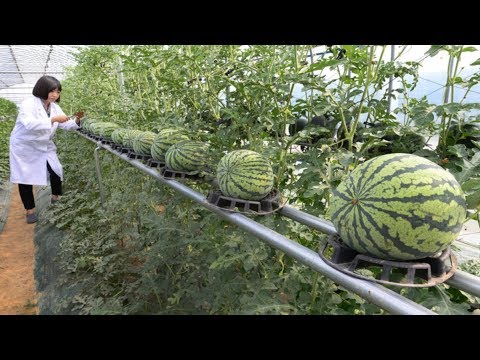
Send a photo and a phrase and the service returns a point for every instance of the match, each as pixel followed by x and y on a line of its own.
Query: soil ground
pixel 17 258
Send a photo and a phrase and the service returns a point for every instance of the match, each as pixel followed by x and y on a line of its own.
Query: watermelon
pixel 87 123
pixel 118 135
pixel 143 142
pixel 187 156
pixel 129 137
pixel 164 139
pixel 107 129
pixel 245 174
pixel 398 207
pixel 103 129
pixel 95 127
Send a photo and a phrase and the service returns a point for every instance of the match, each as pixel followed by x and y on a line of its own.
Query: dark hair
pixel 44 85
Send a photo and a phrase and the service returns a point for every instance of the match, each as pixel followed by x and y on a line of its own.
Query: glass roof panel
pixel 22 65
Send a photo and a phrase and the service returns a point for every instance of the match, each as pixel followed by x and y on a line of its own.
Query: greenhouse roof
pixel 22 65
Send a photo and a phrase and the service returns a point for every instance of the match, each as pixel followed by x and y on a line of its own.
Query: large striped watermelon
pixel 245 174
pixel 187 156
pixel 398 207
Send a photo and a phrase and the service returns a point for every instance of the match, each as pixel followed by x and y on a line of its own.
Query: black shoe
pixel 32 218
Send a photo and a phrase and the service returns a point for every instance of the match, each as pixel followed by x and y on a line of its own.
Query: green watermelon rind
pixel 245 174
pixel 187 156
pixel 398 207
pixel 164 139
pixel 142 143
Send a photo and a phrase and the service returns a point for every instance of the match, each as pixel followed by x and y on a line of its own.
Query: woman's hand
pixel 60 118
pixel 78 116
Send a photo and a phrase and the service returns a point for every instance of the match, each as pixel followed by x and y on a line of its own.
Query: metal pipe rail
pixel 379 295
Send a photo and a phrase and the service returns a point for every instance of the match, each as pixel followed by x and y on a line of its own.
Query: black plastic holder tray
pixel 425 272
pixel 155 163
pixel 172 174
pixel 267 205
pixel 124 149
pixel 107 142
pixel 120 148
pixel 133 155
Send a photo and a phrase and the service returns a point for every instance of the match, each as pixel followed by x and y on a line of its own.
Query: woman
pixel 32 151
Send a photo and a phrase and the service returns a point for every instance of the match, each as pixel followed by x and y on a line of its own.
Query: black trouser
pixel 26 191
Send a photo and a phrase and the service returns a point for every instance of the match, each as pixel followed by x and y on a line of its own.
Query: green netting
pixel 5 191
pixel 467 246
pixel 47 269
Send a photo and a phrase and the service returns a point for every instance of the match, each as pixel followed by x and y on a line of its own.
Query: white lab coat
pixel 31 143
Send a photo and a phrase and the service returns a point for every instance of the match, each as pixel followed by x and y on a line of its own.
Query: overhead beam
pixel 48 59
pixel 15 61
pixel 31 72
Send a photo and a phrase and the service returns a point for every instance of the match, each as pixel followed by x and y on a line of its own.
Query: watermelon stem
pixel 368 80
pixel 314 290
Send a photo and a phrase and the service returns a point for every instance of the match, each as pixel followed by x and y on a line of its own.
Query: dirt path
pixel 17 257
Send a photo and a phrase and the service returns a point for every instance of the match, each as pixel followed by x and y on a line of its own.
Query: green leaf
pixel 469 49
pixel 320 65
pixel 470 168
pixel 434 50
pixel 423 119
pixel 452 108
pixel 459 151
pixel 315 190
pixel 354 93
pixel 476 62
pixel 471 187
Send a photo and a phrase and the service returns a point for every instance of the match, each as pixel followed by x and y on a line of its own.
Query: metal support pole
pixel 390 81
pixel 465 282
pixel 99 174
pixel 309 220
pixel 446 94
pixel 121 82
